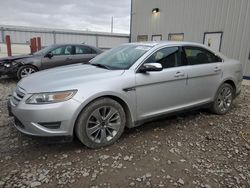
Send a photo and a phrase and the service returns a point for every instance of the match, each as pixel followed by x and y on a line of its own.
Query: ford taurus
pixel 124 87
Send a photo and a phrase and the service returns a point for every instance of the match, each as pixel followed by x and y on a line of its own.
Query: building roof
pixel 51 30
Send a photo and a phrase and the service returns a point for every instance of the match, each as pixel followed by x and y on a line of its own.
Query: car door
pixel 59 56
pixel 204 74
pixel 163 91
pixel 83 54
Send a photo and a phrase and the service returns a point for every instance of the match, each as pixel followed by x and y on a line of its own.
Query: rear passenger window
pixel 197 55
pixel 83 50
pixel 168 57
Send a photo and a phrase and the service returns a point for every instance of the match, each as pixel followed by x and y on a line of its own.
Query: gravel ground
pixel 196 149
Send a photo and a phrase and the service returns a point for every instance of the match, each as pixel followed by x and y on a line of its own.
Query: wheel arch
pixel 129 121
pixel 22 65
pixel 229 81
pixel 125 107
pixel 29 64
pixel 232 83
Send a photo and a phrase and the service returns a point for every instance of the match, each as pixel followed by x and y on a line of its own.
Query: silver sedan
pixel 124 87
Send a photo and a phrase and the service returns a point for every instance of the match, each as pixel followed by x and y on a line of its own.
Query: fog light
pixel 51 125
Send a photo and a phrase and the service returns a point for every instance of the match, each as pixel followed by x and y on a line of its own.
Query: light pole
pixel 112 24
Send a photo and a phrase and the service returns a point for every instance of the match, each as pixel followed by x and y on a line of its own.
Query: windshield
pixel 44 51
pixel 122 57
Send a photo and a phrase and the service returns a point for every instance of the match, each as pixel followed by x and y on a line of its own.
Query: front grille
pixel 17 96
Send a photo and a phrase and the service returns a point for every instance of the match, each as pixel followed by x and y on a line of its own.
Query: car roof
pixel 72 44
pixel 75 44
pixel 156 43
pixel 179 43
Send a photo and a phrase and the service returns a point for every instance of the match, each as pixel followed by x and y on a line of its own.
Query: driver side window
pixel 67 50
pixel 57 51
pixel 63 50
pixel 167 57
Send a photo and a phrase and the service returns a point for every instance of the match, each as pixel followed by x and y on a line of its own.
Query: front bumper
pixel 8 70
pixel 46 120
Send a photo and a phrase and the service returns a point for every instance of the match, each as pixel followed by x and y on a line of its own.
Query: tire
pixel 223 99
pixel 101 123
pixel 25 71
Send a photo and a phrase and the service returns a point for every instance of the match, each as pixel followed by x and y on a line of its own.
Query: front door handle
pixel 179 74
pixel 68 59
pixel 217 69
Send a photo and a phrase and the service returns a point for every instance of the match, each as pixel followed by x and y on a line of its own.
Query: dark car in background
pixel 49 57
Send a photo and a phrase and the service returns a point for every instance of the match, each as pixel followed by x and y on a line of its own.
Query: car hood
pixel 18 58
pixel 65 78
pixel 11 58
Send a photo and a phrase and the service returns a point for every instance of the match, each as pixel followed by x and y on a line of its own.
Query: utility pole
pixel 112 24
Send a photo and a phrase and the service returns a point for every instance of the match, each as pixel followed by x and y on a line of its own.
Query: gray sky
pixel 94 15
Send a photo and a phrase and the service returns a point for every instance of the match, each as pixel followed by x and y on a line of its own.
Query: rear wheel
pixel 25 71
pixel 223 100
pixel 101 123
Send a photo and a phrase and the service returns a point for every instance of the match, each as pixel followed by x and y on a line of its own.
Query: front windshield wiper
pixel 100 65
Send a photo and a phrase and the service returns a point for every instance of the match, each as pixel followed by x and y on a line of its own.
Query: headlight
pixel 47 98
pixel 6 65
pixel 9 64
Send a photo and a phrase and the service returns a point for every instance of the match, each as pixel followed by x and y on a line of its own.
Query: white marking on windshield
pixel 144 48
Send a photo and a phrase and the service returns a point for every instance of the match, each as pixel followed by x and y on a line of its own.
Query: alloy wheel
pixel 224 99
pixel 103 124
pixel 27 71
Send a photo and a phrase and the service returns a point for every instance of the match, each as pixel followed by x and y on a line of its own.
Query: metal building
pixel 224 25
pixel 22 35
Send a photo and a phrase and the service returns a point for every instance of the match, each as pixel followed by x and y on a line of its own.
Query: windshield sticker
pixel 145 48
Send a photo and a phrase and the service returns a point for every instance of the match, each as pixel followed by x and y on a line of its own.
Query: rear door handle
pixel 179 74
pixel 67 59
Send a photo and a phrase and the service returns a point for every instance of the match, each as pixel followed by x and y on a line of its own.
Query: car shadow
pixel 6 79
pixel 130 136
pixel 166 122
pixel 163 123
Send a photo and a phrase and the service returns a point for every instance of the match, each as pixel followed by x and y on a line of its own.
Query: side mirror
pixel 150 67
pixel 49 55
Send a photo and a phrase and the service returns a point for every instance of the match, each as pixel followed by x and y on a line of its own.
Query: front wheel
pixel 223 99
pixel 101 123
pixel 25 71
